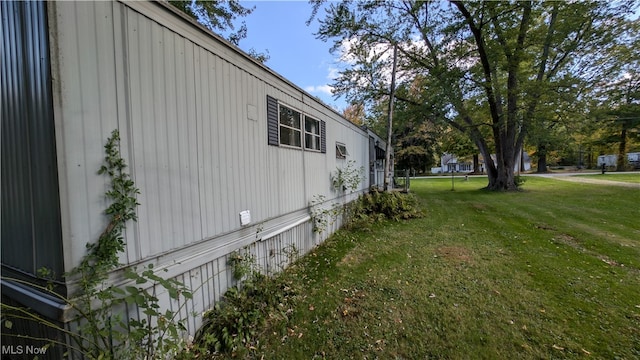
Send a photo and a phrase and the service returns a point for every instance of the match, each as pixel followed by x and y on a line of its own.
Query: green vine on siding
pixel 102 255
pixel 347 178
pixel 322 215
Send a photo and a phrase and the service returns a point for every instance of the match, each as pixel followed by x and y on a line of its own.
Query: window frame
pixel 317 136
pixel 291 128
pixel 340 154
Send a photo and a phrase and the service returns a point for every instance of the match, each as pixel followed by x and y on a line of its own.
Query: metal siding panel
pixel 242 180
pixel 189 152
pixel 164 82
pixel 17 236
pixel 202 110
pixel 173 174
pixel 209 156
pixel 122 110
pixel 136 93
pixel 160 140
pixel 233 147
pixel 199 61
pixel 31 231
pixel 143 127
pixel 210 121
pixel 261 154
pixel 46 211
pixel 16 208
pixel 94 127
pixel 84 56
pixel 224 148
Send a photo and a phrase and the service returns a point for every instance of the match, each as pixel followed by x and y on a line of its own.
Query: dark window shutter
pixel 323 137
pixel 272 121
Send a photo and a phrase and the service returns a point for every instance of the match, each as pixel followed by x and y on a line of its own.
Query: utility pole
pixel 387 166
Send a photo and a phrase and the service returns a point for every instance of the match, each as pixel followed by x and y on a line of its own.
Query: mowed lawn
pixel 631 178
pixel 549 272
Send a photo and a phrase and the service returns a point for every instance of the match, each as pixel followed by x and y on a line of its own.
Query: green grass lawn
pixel 549 272
pixel 631 178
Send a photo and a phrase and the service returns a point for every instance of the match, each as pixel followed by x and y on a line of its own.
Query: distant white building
pixel 612 159
pixel 449 162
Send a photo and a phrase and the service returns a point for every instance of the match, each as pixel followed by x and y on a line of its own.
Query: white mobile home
pixel 611 160
pixel 208 133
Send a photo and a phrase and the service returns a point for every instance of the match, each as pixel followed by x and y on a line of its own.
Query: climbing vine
pixel 102 255
pixel 347 178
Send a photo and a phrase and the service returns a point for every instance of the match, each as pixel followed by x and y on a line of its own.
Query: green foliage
pixel 519 180
pixel 159 334
pixel 322 215
pixel 233 324
pixel 377 205
pixel 347 178
pixel 219 17
pixel 102 255
pixel 102 332
pixel 242 264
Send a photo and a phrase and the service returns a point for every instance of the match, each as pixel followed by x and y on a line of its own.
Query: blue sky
pixel 295 53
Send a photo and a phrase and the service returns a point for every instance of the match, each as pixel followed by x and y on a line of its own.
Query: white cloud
pixel 333 74
pixel 321 89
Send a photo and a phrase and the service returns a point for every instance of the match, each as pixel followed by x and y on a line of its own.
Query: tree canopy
pixel 219 17
pixel 491 70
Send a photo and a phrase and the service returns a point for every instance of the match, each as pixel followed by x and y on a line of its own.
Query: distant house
pixel 227 153
pixel 449 162
pixel 612 160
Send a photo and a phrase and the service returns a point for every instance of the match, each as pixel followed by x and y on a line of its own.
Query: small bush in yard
pixel 377 206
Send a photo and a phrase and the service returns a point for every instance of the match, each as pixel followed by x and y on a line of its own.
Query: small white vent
pixel 245 217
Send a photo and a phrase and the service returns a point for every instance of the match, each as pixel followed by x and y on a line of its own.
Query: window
pixel 290 127
pixel 287 127
pixel 311 133
pixel 341 151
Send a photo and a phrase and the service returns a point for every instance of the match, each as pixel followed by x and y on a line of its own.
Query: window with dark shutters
pixel 283 126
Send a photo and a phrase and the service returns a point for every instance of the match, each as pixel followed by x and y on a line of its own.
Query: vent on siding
pixel 272 121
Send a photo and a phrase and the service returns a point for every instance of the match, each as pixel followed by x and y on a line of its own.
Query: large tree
pixel 500 57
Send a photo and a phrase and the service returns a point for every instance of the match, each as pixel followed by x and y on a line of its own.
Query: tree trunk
pixel 476 164
pixel 502 178
pixel 542 159
pixel 387 166
pixel 622 150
